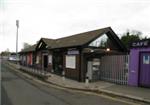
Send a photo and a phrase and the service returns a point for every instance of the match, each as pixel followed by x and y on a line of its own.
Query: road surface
pixel 17 90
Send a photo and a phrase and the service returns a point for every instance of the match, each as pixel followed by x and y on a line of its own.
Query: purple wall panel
pixel 134 65
pixel 144 72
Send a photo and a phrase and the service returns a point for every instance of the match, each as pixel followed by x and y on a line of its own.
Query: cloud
pixel 58 18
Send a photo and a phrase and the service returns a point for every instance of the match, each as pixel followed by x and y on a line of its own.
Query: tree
pixel 131 36
pixel 5 53
pixel 26 45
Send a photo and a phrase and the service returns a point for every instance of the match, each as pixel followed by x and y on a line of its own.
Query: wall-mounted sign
pixel 142 43
pixel 71 61
pixel 44 52
pixel 146 59
pixel 73 52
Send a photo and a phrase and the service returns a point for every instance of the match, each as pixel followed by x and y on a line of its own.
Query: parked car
pixel 13 57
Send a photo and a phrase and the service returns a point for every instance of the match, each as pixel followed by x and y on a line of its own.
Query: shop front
pixel 79 56
pixel 139 68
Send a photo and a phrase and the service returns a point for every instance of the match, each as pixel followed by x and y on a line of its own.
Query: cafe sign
pixel 73 52
pixel 143 43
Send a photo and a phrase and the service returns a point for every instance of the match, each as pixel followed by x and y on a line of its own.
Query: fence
pixel 31 70
pixel 114 69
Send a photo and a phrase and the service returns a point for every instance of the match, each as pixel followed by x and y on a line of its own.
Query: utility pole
pixel 17 24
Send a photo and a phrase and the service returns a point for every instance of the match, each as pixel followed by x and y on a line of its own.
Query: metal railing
pixel 33 70
pixel 114 69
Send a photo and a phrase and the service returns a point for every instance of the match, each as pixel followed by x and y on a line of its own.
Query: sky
pixel 59 18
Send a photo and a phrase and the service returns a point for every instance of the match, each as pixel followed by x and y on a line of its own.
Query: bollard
pixel 38 72
pixel 52 71
pixel 63 75
pixel 87 81
pixel 33 70
pixel 44 72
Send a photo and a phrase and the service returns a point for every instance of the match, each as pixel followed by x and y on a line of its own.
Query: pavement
pixel 122 91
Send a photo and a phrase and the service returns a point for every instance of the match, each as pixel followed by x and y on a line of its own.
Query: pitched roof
pixel 79 39
pixel 29 49
pixel 48 41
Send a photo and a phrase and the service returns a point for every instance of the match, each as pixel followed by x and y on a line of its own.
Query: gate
pixel 114 69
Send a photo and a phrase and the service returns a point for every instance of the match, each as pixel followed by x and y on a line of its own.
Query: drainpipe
pixel 81 68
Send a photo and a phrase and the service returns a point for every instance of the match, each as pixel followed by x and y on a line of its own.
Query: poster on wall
pixel 71 61
pixel 37 59
pixel 31 59
pixel 146 59
pixel 50 59
pixel 96 61
pixel 96 64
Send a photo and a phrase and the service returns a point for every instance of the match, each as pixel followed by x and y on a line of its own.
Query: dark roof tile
pixel 74 40
pixel 78 39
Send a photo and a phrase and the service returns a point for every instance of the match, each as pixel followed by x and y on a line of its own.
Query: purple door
pixel 144 79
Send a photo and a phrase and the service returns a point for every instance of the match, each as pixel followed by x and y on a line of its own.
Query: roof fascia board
pixel 41 41
pixel 86 44
pixel 117 40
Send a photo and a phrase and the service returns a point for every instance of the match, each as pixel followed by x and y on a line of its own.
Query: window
pixel 71 61
pixel 146 59
pixel 100 42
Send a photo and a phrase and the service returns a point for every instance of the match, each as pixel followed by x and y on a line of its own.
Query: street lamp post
pixel 17 25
